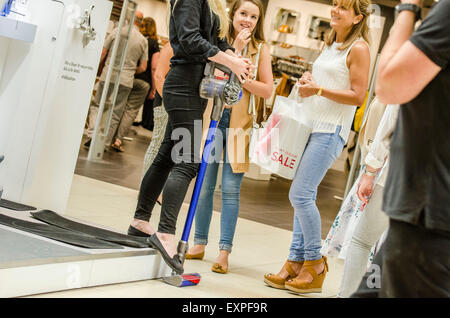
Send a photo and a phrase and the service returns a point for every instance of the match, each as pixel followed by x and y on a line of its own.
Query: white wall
pixel 158 11
pixel 45 91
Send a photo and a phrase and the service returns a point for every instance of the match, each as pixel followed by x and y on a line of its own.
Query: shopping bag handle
pixel 294 93
pixel 251 108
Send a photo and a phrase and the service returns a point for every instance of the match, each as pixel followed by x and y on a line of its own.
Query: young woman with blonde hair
pixel 338 83
pixel 196 30
pixel 246 34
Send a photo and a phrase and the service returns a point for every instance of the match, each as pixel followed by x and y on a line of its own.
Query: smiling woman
pixel 330 94
pixel 347 14
pixel 247 38
pixel 247 14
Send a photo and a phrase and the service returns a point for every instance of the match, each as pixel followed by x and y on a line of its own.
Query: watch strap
pixel 409 7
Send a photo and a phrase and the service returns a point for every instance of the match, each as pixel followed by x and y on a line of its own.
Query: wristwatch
pixel 370 174
pixel 410 7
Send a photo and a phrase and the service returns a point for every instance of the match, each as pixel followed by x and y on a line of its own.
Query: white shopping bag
pixel 280 144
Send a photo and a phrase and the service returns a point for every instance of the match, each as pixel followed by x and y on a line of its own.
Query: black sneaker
pixel 87 144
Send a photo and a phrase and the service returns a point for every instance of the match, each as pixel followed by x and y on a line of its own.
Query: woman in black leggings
pixel 197 34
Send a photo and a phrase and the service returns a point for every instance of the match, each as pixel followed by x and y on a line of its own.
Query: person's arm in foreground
pixel 403 69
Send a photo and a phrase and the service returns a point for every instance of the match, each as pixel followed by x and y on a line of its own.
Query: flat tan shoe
pixel 219 269
pixel 195 256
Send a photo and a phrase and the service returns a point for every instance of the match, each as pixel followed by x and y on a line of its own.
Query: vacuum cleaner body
pixel 228 90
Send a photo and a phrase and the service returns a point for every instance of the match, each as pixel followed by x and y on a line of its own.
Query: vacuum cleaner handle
pixel 224 69
pixel 212 66
pixel 216 113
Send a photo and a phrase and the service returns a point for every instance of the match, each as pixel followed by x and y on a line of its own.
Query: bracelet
pixel 319 93
pixel 370 174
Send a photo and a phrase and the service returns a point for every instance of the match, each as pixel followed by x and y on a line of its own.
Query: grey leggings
pixel 373 222
pixel 160 118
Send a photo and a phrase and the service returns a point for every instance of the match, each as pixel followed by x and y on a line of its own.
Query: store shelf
pixel 297 61
pixel 17 30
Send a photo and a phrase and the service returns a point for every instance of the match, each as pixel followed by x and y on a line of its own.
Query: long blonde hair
pixel 218 7
pixel 358 30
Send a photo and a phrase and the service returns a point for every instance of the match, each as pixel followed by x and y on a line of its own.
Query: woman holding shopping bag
pixel 246 36
pixel 338 83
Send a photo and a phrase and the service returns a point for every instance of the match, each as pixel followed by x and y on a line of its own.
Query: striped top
pixel 331 72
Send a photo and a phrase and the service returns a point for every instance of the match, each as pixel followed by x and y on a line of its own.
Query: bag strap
pixel 251 106
pixel 294 92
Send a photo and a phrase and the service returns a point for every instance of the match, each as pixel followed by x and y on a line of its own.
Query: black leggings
pixel 174 167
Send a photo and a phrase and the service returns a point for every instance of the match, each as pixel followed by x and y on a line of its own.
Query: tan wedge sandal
pixel 300 286
pixel 276 281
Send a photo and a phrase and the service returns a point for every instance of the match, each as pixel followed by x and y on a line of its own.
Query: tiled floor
pixel 258 249
pixel 105 193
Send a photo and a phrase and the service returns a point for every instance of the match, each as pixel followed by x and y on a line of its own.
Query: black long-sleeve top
pixel 194 32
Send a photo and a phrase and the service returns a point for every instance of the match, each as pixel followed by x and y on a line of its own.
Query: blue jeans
pixel 320 152
pixel 231 188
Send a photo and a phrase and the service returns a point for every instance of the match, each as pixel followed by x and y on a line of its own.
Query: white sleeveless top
pixel 330 71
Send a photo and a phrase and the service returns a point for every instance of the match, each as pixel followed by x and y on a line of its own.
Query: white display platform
pixel 32 264
pixel 17 30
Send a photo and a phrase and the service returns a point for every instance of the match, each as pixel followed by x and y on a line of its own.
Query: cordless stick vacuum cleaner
pixel 224 91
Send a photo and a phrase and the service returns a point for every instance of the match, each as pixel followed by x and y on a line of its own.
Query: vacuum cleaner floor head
pixel 184 280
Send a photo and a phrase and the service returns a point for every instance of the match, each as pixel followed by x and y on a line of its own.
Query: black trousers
pixel 178 158
pixel 147 114
pixel 414 262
